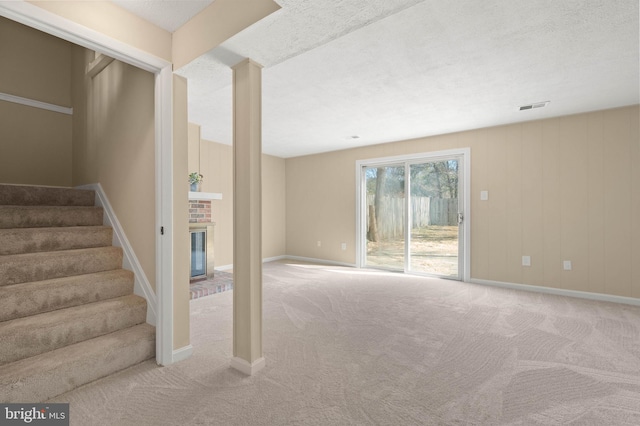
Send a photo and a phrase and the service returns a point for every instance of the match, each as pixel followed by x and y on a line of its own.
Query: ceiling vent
pixel 533 106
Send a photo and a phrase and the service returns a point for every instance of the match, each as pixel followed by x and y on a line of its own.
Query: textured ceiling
pixel 390 70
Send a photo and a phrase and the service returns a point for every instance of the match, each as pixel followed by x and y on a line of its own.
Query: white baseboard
pixel 320 261
pixel 247 368
pixel 265 260
pixel 514 286
pixel 141 287
pixel 182 353
pixel 224 267
pixel 560 292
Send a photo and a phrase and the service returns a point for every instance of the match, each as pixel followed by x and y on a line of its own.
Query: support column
pixel 247 217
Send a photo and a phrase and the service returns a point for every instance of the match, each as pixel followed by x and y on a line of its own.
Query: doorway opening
pixel 413 214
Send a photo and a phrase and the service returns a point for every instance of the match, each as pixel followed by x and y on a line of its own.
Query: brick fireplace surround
pixel 199 211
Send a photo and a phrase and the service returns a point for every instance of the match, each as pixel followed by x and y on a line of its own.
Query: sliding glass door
pixel 385 217
pixel 434 240
pixel 411 213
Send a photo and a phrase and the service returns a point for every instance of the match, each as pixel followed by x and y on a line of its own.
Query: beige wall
pixel 35 145
pixel 274 222
pixel 114 145
pixel 181 243
pixel 194 148
pixel 559 189
pixel 216 164
pixel 113 21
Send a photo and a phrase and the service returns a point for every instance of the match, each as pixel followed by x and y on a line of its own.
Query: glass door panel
pixel 385 217
pixel 198 253
pixel 434 201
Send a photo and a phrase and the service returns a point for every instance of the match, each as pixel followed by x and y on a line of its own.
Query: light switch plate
pixel 566 265
pixel 484 195
pixel 526 260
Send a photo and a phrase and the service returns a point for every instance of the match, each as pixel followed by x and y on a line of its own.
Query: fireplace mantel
pixel 195 225
pixel 205 195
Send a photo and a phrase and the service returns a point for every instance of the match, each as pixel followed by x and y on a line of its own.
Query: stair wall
pixel 142 286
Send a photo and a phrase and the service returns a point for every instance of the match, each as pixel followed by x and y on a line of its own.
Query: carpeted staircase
pixel 68 314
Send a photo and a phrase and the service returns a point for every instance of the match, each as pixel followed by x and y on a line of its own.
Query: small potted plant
pixel 195 179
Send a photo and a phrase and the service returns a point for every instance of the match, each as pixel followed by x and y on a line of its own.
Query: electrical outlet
pixel 526 260
pixel 319 243
pixel 566 265
pixel 344 246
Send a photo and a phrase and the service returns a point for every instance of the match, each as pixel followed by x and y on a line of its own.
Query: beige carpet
pixel 355 347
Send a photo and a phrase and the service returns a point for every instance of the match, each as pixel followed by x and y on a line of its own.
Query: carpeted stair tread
pixel 44 376
pixel 68 315
pixel 26 337
pixel 48 216
pixel 24 299
pixel 33 240
pixel 26 195
pixel 22 268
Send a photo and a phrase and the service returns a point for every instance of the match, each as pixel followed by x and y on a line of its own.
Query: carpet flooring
pixel 356 347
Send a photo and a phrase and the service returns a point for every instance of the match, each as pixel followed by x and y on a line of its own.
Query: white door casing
pixel 50 23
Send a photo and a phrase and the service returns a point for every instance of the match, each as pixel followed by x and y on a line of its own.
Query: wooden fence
pixel 425 211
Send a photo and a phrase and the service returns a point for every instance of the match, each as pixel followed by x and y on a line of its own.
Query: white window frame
pixel 409 159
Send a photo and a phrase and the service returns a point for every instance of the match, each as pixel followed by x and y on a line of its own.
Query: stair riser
pixel 25 195
pixel 22 300
pixel 44 217
pixel 23 268
pixel 67 312
pixel 27 337
pixel 34 240
pixel 45 376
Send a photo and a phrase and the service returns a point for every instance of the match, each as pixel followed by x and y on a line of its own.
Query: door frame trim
pixel 465 153
pixel 58 26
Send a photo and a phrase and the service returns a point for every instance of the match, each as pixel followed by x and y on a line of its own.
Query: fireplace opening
pixel 202 259
pixel 198 253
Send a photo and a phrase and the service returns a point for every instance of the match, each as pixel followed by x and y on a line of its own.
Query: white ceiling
pixel 167 14
pixel 388 70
